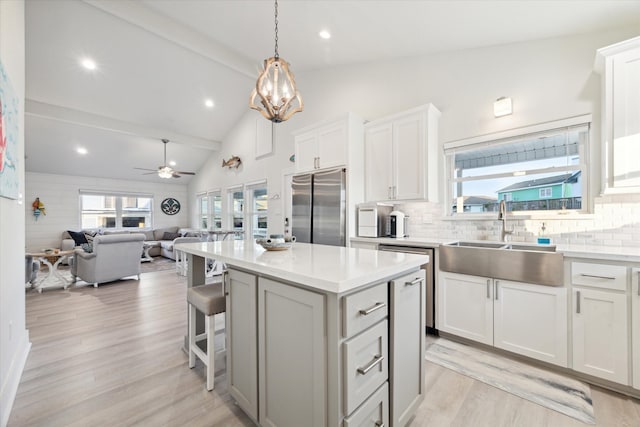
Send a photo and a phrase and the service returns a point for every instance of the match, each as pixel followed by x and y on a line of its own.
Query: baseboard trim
pixel 10 385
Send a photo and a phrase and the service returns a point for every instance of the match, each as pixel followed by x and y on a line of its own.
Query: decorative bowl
pixel 276 244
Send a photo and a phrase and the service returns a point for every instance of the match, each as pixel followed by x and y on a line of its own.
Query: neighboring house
pixel 554 192
pixel 478 204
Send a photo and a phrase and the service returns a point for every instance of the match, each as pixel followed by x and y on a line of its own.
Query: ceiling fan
pixel 166 171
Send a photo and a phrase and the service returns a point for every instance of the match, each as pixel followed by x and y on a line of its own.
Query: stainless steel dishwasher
pixel 428 268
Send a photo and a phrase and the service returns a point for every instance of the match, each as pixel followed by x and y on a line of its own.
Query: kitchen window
pixel 115 210
pixel 540 168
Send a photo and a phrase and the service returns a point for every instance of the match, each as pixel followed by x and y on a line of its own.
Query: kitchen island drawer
pixel 373 412
pixel 598 275
pixel 364 309
pixel 366 364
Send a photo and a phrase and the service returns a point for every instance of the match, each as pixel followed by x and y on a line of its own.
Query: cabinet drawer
pixel 599 275
pixel 363 309
pixel 365 365
pixel 373 412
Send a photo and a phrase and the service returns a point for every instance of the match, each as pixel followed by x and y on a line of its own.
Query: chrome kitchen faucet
pixel 502 216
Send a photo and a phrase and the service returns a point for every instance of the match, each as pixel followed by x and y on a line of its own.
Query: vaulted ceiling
pixel 157 62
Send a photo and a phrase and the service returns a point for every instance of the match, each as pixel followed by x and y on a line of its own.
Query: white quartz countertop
pixel 609 253
pixel 326 268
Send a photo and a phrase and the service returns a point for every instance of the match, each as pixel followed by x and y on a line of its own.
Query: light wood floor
pixel 112 356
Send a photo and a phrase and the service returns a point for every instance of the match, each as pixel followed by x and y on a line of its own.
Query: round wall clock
pixel 170 206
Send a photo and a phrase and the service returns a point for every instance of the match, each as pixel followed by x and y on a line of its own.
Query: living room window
pixel 210 210
pixel 258 204
pixel 539 168
pixel 114 210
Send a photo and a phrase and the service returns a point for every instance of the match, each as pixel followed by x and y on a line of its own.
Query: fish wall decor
pixel 233 162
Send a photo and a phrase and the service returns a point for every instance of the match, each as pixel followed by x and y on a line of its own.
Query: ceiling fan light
pixel 165 172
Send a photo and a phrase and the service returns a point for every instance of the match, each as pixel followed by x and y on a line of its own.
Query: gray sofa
pixel 160 246
pixel 113 257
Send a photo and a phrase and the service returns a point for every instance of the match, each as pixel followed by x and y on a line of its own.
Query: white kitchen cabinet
pixel 600 345
pixel 407 299
pixel 364 245
pixel 242 353
pixel 523 318
pixel 619 65
pixel 328 144
pixel 600 319
pixel 465 306
pixel 531 320
pixel 294 353
pixel 635 326
pixel 401 156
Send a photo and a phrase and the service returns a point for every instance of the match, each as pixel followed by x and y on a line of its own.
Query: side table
pixel 53 277
pixel 146 246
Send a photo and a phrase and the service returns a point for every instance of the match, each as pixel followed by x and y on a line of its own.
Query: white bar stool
pixel 181 257
pixel 209 300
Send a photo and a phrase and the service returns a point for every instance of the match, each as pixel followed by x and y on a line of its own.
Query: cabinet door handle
pixel 389 192
pixel 577 302
pixel 225 284
pixel 414 282
pixel 497 290
pixel 395 192
pixel 376 360
pixel 597 277
pixel 488 288
pixel 639 283
pixel 370 310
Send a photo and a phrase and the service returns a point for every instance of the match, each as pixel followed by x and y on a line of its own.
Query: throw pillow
pixel 170 236
pixel 89 235
pixel 87 247
pixel 78 237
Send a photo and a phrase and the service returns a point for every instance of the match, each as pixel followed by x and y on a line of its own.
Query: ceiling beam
pixel 81 118
pixel 162 26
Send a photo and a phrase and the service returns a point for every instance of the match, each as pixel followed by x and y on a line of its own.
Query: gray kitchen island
pixel 320 335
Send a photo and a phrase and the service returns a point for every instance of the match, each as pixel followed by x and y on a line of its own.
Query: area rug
pixel 553 391
pixel 159 263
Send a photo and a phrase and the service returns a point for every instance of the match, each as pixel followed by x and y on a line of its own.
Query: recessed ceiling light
pixel 324 34
pixel 172 163
pixel 88 63
pixel 208 103
pixel 81 150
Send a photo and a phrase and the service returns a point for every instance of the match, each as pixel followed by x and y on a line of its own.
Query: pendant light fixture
pixel 276 87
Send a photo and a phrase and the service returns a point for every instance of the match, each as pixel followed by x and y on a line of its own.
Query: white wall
pixel 60 195
pixel 548 80
pixel 14 337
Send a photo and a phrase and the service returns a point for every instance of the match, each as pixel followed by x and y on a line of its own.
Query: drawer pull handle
pixel 597 277
pixel 578 302
pixel 488 288
pixel 414 282
pixel 370 310
pixel 376 360
pixel 639 283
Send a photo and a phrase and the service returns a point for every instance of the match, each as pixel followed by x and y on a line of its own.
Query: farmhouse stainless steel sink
pixel 520 262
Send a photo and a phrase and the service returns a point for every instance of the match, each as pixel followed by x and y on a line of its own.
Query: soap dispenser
pixel 542 237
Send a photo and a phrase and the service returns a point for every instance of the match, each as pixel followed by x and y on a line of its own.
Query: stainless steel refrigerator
pixel 319 207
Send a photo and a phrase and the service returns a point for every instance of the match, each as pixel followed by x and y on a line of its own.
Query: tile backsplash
pixel 615 221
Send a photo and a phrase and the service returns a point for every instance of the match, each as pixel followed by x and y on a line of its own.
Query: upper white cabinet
pixel 619 65
pixel 401 156
pixel 328 144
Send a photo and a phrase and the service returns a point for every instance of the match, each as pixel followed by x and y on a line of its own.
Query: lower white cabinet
pixel 293 353
pixel 364 245
pixel 635 326
pixel 407 296
pixel 531 320
pixel 465 306
pixel 600 316
pixel 242 353
pixel 523 318
pixel 600 344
